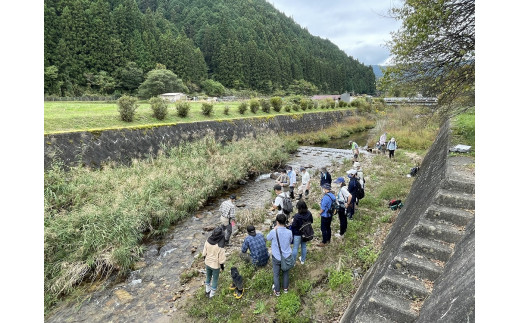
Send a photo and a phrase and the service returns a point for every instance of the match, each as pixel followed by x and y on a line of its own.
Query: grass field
pixel 79 116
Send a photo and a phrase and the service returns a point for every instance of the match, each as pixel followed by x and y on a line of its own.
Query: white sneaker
pixel 338 235
pixel 301 262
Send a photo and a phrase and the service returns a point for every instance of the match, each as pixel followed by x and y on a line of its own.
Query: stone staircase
pixel 409 279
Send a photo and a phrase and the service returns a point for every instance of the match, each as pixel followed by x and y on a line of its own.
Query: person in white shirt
pixel 278 202
pixel 306 183
pixel 344 199
pixel 292 180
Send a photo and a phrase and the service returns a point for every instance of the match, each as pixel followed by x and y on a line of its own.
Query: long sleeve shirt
pixel 256 244
pixel 285 236
pixel 215 256
pixel 326 204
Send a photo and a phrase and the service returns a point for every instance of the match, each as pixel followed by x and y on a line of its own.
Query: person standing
pixel 214 257
pixel 359 174
pixel 227 216
pixel 325 177
pixel 355 149
pixel 283 180
pixel 392 146
pixel 352 189
pixel 327 204
pixel 278 201
pixel 280 238
pixel 306 183
pixel 256 244
pixel 382 142
pixel 303 216
pixel 292 181
pixel 344 199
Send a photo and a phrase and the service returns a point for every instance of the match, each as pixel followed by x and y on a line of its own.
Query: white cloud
pixel 359 27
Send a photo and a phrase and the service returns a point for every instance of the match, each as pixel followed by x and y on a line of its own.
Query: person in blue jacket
pixel 327 204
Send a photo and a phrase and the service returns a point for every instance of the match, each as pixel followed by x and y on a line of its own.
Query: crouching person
pixel 255 243
pixel 214 259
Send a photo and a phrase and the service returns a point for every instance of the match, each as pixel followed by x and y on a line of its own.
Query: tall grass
pixel 95 220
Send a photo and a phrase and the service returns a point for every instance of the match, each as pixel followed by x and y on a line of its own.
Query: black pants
pixel 342 214
pixel 351 208
pixel 391 153
pixel 325 229
pixel 291 190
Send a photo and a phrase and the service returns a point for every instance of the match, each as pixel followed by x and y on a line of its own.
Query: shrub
pixel 339 278
pixel 305 104
pixel 127 106
pixel 329 103
pixel 315 104
pixel 295 107
pixel 226 110
pixel 287 108
pixel 266 105
pixel 254 105
pixel 276 102
pixel 287 306
pixel 207 108
pixel 159 107
pixel 242 108
pixel 183 108
pixel 343 104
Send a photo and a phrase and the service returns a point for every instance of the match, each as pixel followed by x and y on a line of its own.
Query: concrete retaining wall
pixel 93 148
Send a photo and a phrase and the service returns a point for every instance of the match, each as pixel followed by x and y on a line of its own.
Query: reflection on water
pixel 342 143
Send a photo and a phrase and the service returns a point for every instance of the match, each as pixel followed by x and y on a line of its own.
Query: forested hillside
pixel 108 46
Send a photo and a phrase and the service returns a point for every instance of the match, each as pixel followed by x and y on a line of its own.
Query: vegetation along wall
pixel 93 148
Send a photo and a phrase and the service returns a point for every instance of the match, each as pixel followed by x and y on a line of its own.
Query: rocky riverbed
pixel 153 291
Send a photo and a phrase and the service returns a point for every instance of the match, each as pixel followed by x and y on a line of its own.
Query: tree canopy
pixel 434 51
pixel 242 44
pixel 160 81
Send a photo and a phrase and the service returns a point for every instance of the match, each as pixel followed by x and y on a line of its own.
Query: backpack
pixel 287 206
pixel 414 171
pixel 360 192
pixel 307 232
pixel 333 207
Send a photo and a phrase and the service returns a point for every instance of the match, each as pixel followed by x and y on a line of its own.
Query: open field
pixel 79 116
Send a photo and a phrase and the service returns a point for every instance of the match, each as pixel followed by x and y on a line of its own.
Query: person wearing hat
pixel 255 243
pixel 306 183
pixel 227 216
pixel 214 257
pixel 353 185
pixel 325 177
pixel 278 201
pixel 327 206
pixel 292 180
pixel 344 199
pixel 392 146
pixel 359 174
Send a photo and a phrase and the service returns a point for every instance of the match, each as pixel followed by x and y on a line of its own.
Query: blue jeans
pixel 325 229
pixel 277 268
pixel 212 277
pixel 296 244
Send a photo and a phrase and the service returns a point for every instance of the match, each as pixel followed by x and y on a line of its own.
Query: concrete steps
pixel 410 277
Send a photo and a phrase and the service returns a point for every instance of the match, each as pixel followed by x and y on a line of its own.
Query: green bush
pixel 287 306
pixel 183 108
pixel 295 107
pixel 343 104
pixel 242 108
pixel 226 110
pixel 254 105
pixel 207 108
pixel 266 105
pixel 287 107
pixel 276 102
pixel 159 107
pixel 305 104
pixel 127 106
pixel 340 278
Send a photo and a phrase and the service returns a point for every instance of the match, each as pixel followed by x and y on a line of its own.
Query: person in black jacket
pixel 353 185
pixel 303 216
pixel 325 177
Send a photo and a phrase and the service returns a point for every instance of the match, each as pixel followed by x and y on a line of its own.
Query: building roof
pixel 173 94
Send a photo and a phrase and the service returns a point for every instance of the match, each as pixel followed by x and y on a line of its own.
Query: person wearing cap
pixel 227 216
pixel 392 146
pixel 327 204
pixel 325 177
pixel 353 185
pixel 283 180
pixel 306 183
pixel 359 174
pixel 344 199
pixel 292 180
pixel 214 257
pixel 355 149
pixel 255 243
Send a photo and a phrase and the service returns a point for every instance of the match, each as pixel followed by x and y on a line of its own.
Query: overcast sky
pixel 358 27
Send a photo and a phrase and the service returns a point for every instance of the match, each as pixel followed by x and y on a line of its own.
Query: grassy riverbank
pixel 321 289
pixel 95 220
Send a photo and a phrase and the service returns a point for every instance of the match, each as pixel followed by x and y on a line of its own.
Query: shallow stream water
pixel 146 294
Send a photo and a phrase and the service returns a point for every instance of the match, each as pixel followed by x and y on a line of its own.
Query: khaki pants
pixel 301 189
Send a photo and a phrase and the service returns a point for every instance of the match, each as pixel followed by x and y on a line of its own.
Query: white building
pixel 172 97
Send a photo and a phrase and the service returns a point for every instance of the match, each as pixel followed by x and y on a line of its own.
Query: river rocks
pixel 167 249
pixel 275 175
pixel 242 182
pixel 123 296
pixel 209 228
pixel 151 251
pixel 240 205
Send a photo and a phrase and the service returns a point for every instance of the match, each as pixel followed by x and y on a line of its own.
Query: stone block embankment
pixel 93 148
pixel 426 270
